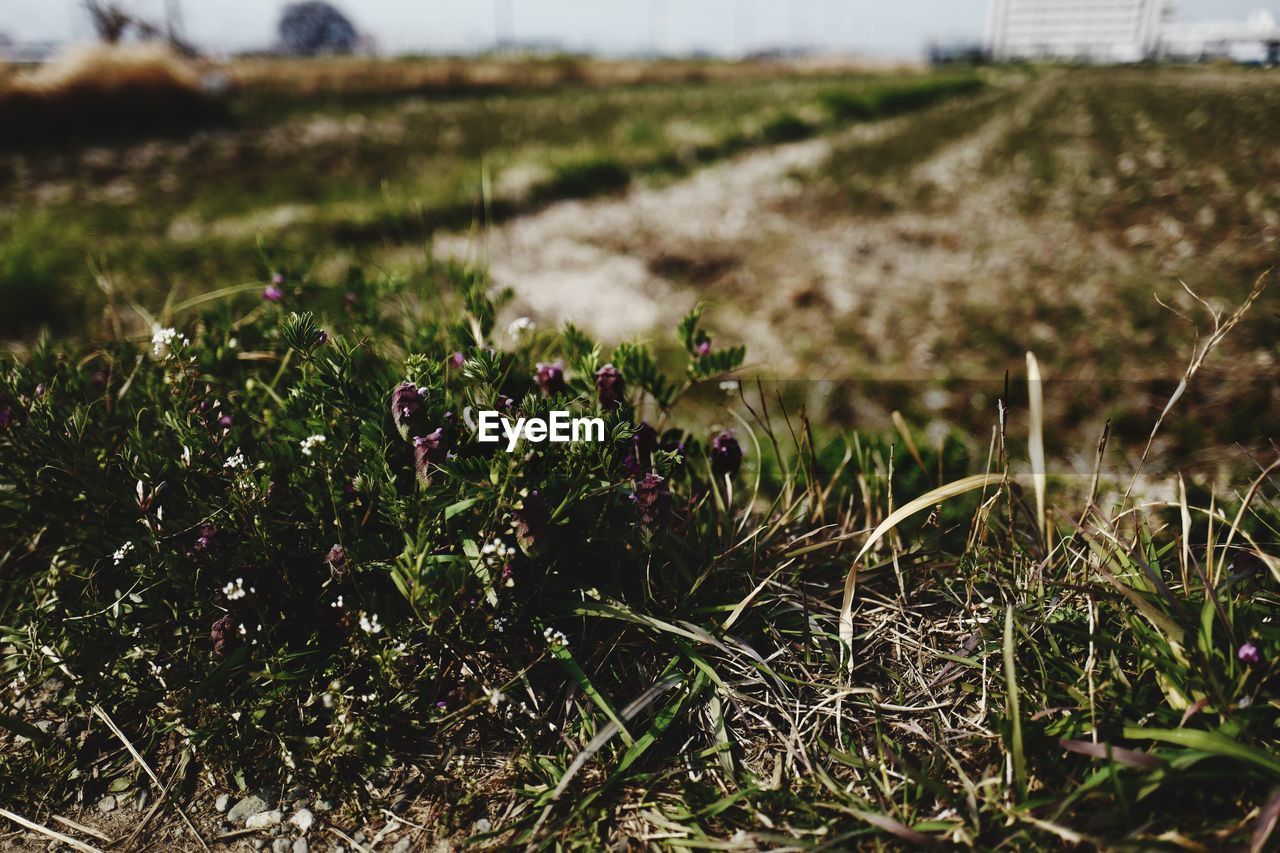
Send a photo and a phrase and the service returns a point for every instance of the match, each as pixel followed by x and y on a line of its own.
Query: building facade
pixel 1077 30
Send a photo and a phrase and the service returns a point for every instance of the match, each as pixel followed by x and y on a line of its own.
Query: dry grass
pixel 97 90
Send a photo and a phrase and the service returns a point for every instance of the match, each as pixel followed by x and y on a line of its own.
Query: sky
pixel 887 28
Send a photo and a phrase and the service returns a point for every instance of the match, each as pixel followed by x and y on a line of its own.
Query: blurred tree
pixel 313 27
pixel 109 20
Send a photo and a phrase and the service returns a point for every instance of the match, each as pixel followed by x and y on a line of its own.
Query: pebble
pixel 222 802
pixel 140 800
pixel 259 844
pixel 246 808
pixel 262 820
pixel 403 845
pixel 106 804
pixel 323 806
pixel 483 825
pixel 300 845
pixel 359 837
pixel 303 819
pixel 281 845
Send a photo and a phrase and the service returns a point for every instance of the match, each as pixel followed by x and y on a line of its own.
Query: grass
pixel 195 210
pixel 1047 624
pixel 831 645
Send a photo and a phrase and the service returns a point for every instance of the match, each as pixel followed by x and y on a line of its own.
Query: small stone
pixel 300 845
pixel 262 820
pixel 281 845
pixel 140 800
pixel 403 845
pixel 222 802
pixel 359 837
pixel 259 844
pixel 303 819
pixel 483 825
pixel 323 806
pixel 106 804
pixel 246 808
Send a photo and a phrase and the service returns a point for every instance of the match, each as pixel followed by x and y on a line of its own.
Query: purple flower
pixel 273 293
pixel 429 452
pixel 323 339
pixel 351 299
pixel 225 421
pixel 652 498
pixel 726 454
pixel 207 534
pixel 406 407
pixel 6 414
pixel 610 386
pixel 504 403
pixel 223 634
pixel 704 348
pixel 277 278
pixel 550 378
pixel 457 360
pixel 336 560
pixel 1248 653
pixel 533 524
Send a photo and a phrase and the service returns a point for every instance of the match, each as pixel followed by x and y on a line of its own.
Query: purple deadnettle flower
pixel 726 454
pixel 652 498
pixel 273 293
pixel 1248 653
pixel 550 378
pixel 406 407
pixel 206 539
pixel 429 451
pixel 336 560
pixel 610 386
pixel 223 634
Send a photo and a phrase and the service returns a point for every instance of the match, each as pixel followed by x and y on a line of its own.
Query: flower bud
pixel 652 498
pixel 726 454
pixel 406 408
pixel 429 452
pixel 550 378
pixel 610 386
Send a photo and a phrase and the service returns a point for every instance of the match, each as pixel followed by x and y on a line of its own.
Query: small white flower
pixel 729 386
pixel 496 697
pixel 121 553
pixel 236 590
pixel 369 623
pixel 235 461
pixel 338 604
pixel 186 456
pixel 163 341
pixel 555 639
pixel 309 443
pixel 520 327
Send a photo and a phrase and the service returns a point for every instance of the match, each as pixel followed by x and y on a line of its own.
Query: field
pixel 937 505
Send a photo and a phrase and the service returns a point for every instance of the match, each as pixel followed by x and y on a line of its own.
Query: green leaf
pixel 1214 743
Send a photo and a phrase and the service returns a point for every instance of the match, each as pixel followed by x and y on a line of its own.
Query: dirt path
pixel 742 233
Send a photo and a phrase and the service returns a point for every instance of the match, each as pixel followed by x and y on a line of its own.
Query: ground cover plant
pixel 259 546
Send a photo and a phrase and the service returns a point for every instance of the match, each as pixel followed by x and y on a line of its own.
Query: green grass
pixel 997 682
pixel 193 210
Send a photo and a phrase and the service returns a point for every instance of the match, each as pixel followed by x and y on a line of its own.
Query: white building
pixel 1256 39
pixel 1087 30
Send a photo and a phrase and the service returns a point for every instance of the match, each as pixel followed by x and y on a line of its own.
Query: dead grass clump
pixel 98 90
